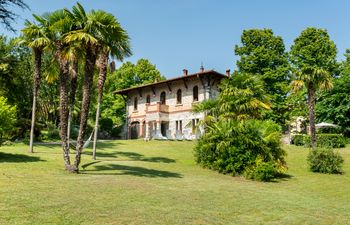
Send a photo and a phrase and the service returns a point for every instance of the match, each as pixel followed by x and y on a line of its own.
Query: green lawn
pixel 157 182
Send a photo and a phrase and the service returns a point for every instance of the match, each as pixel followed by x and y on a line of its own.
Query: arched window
pixel 148 99
pixel 179 97
pixel 135 103
pixel 195 93
pixel 162 98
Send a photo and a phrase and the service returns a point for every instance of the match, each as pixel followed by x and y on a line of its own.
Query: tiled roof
pixel 199 74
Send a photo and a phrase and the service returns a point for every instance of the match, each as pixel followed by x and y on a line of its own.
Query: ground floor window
pixel 195 123
pixel 178 126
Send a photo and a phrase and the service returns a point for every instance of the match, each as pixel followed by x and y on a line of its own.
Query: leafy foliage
pixel 325 161
pixel 234 141
pixel 263 55
pixel 323 140
pixel 238 147
pixel 313 56
pixel 7 117
pixel 261 171
pixel 242 97
pixel 299 139
pixel 334 105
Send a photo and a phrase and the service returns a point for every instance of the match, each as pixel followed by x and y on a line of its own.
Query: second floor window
pixel 162 98
pixel 135 103
pixel 148 99
pixel 179 97
pixel 195 93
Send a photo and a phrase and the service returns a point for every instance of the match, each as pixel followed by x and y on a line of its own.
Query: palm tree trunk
pixel 311 104
pixel 64 78
pixel 37 74
pixel 73 84
pixel 87 89
pixel 103 61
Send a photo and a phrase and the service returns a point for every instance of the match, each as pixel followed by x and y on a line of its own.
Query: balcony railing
pixel 156 108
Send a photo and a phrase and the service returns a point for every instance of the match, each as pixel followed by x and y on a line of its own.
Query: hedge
pixel 323 140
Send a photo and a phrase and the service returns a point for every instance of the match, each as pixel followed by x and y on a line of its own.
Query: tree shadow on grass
pixel 116 169
pixel 133 156
pixel 282 177
pixel 106 144
pixel 17 158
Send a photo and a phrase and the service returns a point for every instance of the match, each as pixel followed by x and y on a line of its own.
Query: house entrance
pixel 164 126
pixel 134 130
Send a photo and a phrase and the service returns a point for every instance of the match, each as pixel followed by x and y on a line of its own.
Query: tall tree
pixel 115 42
pixel 313 55
pixel 35 37
pixel 263 54
pixel 87 30
pixel 57 24
pixel 74 55
pixel 334 105
pixel 6 15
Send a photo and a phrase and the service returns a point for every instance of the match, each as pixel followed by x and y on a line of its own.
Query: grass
pixel 157 182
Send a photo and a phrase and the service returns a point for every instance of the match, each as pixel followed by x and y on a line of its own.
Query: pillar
pixel 147 135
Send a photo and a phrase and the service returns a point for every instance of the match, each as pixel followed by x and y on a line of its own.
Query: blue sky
pixel 181 34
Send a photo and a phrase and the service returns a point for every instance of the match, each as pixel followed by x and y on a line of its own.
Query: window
pixel 179 97
pixel 195 93
pixel 178 126
pixel 162 98
pixel 148 99
pixel 195 123
pixel 135 103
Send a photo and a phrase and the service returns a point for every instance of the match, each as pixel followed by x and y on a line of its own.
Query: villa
pixel 163 110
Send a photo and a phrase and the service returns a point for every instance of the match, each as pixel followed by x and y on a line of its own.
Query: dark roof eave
pixel 127 90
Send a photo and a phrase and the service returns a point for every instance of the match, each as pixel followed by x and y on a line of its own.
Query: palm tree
pixel 313 79
pixel 57 24
pixel 87 28
pixel 113 41
pixel 243 97
pixel 73 54
pixel 35 37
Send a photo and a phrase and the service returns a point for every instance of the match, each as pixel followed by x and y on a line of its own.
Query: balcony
pixel 150 108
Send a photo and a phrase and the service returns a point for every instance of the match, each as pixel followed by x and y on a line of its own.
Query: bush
pixel 331 140
pixel 51 132
pixel 261 171
pixel 323 140
pixel 323 160
pixel 298 139
pixel 7 118
pixel 249 147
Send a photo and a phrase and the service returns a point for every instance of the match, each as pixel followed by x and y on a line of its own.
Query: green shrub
pixel 325 161
pixel 8 115
pixel 298 139
pixel 50 133
pixel 233 147
pixel 262 171
pixel 323 140
pixel 331 140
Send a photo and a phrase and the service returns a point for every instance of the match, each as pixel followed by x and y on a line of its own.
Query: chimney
pixel 201 69
pixel 185 72
pixel 228 73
